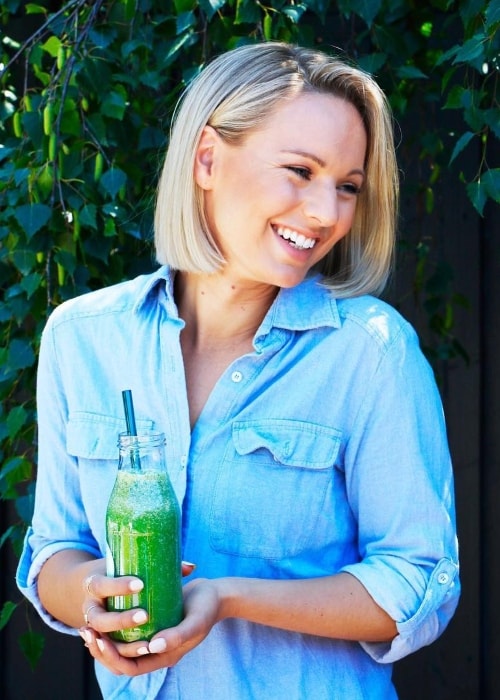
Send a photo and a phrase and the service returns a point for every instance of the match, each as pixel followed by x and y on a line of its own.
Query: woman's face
pixel 280 200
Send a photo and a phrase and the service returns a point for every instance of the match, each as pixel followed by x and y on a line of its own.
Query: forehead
pixel 324 119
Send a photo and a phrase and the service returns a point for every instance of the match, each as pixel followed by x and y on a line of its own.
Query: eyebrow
pixel 320 161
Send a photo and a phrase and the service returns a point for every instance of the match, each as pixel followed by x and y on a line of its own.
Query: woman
pixel 305 434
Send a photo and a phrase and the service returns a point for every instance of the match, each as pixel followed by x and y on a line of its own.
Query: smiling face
pixel 277 202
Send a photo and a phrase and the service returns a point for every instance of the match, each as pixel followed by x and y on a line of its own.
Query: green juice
pixel 143 539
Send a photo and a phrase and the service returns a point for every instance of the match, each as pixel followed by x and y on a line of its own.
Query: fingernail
pixel 100 644
pixel 157 645
pixel 139 616
pixel 85 635
pixel 136 585
pixel 142 651
pixel 190 564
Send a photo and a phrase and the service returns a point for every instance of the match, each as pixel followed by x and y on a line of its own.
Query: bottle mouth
pixel 144 441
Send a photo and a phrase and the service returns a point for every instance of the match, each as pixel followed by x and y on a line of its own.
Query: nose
pixel 321 203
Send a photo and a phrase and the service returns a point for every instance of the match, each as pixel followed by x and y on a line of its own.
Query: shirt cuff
pixel 27 574
pixel 436 609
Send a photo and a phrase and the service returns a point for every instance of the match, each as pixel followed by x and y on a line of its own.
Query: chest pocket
pixel 272 486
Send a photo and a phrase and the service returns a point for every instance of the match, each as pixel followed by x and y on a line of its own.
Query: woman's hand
pixel 202 608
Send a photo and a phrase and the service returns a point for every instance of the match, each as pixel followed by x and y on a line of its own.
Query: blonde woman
pixel 305 433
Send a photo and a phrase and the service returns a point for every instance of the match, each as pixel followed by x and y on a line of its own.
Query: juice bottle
pixel 143 536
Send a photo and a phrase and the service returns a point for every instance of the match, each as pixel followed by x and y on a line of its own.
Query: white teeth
pixel 297 239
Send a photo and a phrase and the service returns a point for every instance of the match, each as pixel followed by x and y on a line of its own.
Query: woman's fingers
pixel 99 586
pixel 100 619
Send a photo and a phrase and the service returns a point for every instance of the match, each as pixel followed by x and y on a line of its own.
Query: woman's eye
pixel 303 173
pixel 350 188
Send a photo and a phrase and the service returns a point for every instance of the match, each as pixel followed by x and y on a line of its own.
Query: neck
pixel 218 310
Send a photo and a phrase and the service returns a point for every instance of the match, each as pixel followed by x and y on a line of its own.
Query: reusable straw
pixel 128 406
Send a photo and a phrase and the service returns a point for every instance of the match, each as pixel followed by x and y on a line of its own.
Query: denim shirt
pixel 322 450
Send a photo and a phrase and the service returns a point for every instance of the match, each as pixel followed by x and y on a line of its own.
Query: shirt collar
pixel 308 305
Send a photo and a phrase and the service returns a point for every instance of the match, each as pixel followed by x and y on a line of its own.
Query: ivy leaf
pixel 32 9
pixel 32 644
pixel 3 539
pixel 6 612
pixel 366 9
pixel 461 144
pixel 16 419
pixel 247 12
pixel 32 217
pixel 411 72
pixel 113 180
pixel 209 7
pixel 115 103
pixel 492 14
pixel 20 355
pixel 472 49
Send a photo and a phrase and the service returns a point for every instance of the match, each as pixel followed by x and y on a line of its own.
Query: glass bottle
pixel 143 536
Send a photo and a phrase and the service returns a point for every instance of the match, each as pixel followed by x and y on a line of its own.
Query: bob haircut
pixel 234 94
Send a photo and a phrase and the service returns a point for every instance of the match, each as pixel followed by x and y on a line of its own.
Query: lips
pixel 296 240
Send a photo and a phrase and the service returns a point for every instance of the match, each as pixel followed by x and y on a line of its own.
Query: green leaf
pixel 372 62
pixel 472 49
pixel 478 195
pixel 32 9
pixel 492 14
pixel 366 9
pixel 461 144
pixel 88 216
pixel 113 180
pixel 411 72
pixel 24 260
pixel 20 354
pixel 32 217
pixel 16 419
pixel 51 46
pixel 6 613
pixel 491 180
pixel 32 645
pixel 247 12
pixel 209 7
pixel 115 103
pixel 3 539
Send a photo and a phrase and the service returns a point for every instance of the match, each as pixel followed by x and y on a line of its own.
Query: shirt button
pixel 443 578
pixel 183 461
pixel 236 377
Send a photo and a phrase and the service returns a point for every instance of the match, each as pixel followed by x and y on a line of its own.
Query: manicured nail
pixel 136 585
pixel 139 616
pixel 100 644
pixel 85 635
pixel 189 564
pixel 157 645
pixel 142 651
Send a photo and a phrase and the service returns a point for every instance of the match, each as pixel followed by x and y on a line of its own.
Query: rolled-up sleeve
pixel 400 487
pixel 59 519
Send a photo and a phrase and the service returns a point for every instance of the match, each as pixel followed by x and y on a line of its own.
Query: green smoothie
pixel 142 529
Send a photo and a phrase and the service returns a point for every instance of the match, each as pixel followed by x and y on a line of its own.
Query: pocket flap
pixel 95 436
pixel 293 443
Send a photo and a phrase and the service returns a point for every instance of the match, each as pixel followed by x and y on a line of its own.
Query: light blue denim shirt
pixel 323 450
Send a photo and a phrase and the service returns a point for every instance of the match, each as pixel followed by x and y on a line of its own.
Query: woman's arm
pixel 333 606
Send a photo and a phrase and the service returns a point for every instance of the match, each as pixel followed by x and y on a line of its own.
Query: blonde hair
pixel 234 94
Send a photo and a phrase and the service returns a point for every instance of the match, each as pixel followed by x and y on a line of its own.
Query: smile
pixel 296 240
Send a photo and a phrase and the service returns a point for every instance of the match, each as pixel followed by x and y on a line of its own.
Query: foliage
pixel 87 90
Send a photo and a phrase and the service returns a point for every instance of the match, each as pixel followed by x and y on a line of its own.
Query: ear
pixel 205 157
